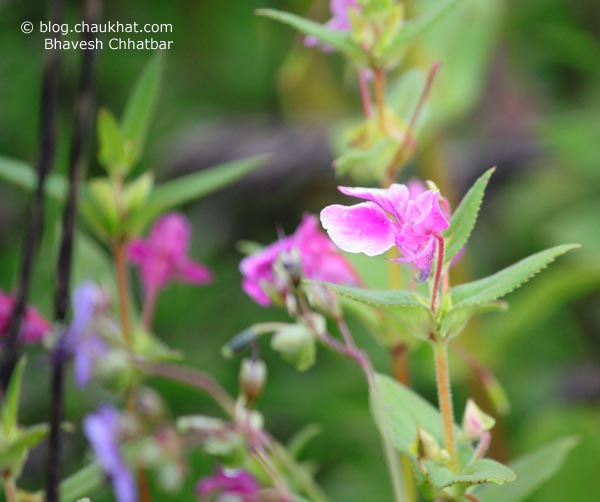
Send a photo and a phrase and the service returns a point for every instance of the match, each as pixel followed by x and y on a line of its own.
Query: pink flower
pixel 319 258
pixel 392 217
pixel 230 484
pixel 33 326
pixel 163 256
pixel 340 9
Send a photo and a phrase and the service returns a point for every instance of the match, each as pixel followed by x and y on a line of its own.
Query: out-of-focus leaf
pixel 14 452
pixel 300 439
pixel 141 105
pixel 340 40
pixel 405 92
pixel 111 152
pixel 22 175
pixel 464 218
pixel 533 470
pixel 481 472
pixel 10 406
pixel 415 27
pixel 193 186
pixel 82 483
pixel 507 280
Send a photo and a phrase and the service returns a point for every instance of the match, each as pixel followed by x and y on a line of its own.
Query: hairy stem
pixel 442 374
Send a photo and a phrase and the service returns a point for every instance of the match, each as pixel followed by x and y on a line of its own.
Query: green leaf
pixel 141 105
pixel 13 454
pixel 82 483
pixel 408 308
pixel 300 439
pixel 480 472
pixel 111 153
pixel 193 186
pixel 406 411
pixel 533 470
pixel 507 280
pixel 415 27
pixel 22 175
pixel 457 318
pixel 340 40
pixel 464 218
pixel 10 406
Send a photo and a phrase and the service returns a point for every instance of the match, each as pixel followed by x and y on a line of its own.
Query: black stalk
pixel 47 148
pixel 84 110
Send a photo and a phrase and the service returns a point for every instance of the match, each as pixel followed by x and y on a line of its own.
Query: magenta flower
pixel 391 217
pixel 230 484
pixel 103 430
pixel 340 21
pixel 319 258
pixel 163 256
pixel 33 327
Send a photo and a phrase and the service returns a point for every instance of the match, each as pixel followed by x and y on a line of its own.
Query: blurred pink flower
pixel 33 327
pixel 163 256
pixel 319 258
pixel 392 217
pixel 340 21
pixel 231 484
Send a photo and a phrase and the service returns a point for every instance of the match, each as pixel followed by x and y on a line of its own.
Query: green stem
pixel 9 488
pixel 442 374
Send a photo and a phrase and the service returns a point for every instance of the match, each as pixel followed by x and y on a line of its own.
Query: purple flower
pixel 33 327
pixel 103 430
pixel 232 485
pixel 391 217
pixel 82 338
pixel 163 256
pixel 319 258
pixel 340 21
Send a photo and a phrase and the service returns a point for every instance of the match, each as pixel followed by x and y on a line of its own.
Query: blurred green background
pixel 519 88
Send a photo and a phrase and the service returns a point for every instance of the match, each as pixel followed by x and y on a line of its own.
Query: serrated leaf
pixel 464 218
pixel 480 472
pixel 507 280
pixel 190 187
pixel 111 153
pixel 337 39
pixel 141 105
pixel 10 405
pixel 22 175
pixel 415 27
pixel 533 470
pixel 407 307
pixel 457 318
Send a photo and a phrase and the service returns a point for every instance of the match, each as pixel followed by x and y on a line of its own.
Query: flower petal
pixel 195 273
pixel 362 228
pixel 392 200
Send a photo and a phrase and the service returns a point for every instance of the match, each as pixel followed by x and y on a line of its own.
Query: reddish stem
pixel 149 309
pixel 123 289
pixel 365 95
pixel 438 271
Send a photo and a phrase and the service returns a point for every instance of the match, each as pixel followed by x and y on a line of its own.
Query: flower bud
pixel 149 405
pixel 426 447
pixel 475 422
pixel 296 345
pixel 253 375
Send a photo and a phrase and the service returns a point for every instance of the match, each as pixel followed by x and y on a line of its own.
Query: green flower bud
pixel 253 375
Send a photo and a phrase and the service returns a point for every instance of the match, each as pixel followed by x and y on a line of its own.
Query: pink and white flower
pixel 391 217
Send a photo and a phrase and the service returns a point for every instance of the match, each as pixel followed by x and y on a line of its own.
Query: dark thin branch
pixel 84 109
pixel 47 147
